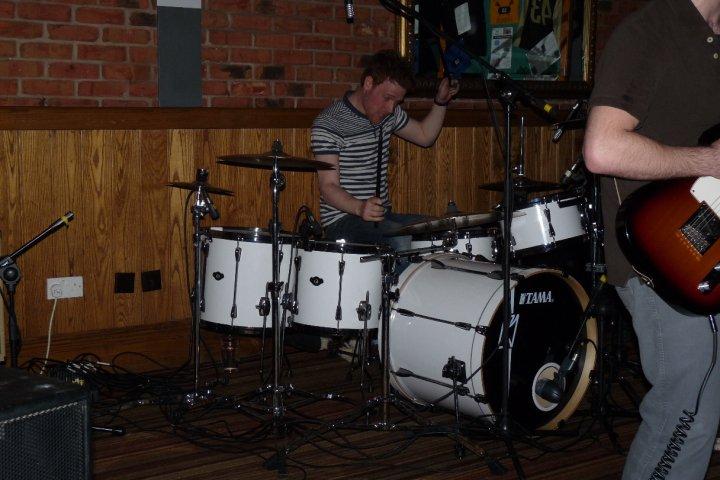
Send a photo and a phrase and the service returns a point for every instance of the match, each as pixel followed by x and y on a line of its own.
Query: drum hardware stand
pixel 202 206
pixel 362 346
pixel 606 311
pixel 389 258
pixel 10 275
pixel 277 390
pixel 228 340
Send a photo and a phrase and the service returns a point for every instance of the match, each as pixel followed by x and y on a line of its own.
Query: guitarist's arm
pixel 612 147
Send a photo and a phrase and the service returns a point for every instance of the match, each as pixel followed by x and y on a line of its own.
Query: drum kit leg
pixel 454 312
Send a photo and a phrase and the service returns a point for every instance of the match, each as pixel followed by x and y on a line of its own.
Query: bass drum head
pixel 548 312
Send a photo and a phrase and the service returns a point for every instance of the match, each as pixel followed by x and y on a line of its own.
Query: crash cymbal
pixel 523 184
pixel 195 185
pixel 265 160
pixel 444 224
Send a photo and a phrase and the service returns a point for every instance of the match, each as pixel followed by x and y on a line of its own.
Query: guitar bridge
pixel 702 229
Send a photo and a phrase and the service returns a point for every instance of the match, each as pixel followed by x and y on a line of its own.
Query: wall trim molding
pixel 154 118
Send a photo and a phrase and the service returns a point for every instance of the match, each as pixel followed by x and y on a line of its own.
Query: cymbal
pixel 444 224
pixel 523 184
pixel 195 185
pixel 265 160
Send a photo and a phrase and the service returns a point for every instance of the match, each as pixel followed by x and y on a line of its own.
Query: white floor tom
pixel 331 284
pixel 547 311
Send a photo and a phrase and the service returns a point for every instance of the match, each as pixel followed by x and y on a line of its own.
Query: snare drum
pixel 331 284
pixel 477 241
pixel 547 312
pixel 238 268
pixel 547 223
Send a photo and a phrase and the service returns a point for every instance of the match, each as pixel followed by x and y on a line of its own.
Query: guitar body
pixel 657 227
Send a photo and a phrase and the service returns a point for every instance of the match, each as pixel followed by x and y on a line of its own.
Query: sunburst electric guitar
pixel 669 231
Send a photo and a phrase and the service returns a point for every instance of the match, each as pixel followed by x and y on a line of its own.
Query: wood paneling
pixel 127 220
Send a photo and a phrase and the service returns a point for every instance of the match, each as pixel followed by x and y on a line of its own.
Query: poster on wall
pixel 526 39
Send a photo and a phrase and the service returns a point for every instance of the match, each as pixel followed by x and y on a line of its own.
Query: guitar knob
pixel 703 287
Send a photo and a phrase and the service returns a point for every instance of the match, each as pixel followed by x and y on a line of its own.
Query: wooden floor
pixel 228 437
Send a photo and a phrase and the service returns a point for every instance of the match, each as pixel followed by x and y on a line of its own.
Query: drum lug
pixel 394 295
pixel 263 306
pixel 289 303
pixel 364 310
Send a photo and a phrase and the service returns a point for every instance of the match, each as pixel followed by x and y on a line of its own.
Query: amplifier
pixel 44 428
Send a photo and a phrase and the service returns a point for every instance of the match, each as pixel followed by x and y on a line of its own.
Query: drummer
pixel 353 134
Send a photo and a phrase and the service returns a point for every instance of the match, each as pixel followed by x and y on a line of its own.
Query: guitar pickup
pixel 710 281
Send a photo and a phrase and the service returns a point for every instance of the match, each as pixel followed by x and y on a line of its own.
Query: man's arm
pixel 612 147
pixel 425 132
pixel 371 210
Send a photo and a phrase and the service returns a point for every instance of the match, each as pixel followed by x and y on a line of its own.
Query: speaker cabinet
pixel 44 428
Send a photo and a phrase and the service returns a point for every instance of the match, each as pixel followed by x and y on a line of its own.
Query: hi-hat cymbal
pixel 444 224
pixel 265 160
pixel 523 184
pixel 196 185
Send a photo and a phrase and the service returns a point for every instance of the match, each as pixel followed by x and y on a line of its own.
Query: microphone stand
pixel 508 97
pixel 510 92
pixel 11 275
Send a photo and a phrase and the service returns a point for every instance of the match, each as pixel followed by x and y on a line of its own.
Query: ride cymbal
pixel 266 160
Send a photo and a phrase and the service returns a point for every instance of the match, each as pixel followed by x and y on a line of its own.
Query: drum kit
pixel 440 330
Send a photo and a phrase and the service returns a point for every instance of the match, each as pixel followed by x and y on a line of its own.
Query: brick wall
pixel 256 53
pixel 78 53
pixel 269 53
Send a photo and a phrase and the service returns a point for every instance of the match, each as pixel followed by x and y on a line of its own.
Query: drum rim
pixel 333 246
pixel 244 234
pixel 557 197
pixel 314 329
pixel 230 329
pixel 487 232
pixel 545 248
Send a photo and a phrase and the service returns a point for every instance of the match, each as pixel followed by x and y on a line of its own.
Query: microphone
pixel 214 214
pixel 349 11
pixel 552 390
pixel 572 173
pixel 561 126
pixel 315 226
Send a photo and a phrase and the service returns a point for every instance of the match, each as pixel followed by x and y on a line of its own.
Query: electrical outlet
pixel 64 287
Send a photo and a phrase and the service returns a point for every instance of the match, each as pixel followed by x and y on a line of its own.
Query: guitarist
pixel 657 88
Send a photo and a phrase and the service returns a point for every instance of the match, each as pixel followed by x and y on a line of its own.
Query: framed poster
pixel 548 45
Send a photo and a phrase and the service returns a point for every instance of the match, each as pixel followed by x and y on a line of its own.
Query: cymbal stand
pixel 202 206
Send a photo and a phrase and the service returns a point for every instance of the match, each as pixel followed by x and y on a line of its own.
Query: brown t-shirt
pixel 660 65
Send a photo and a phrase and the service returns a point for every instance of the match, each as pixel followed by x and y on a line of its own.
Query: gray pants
pixel 675 352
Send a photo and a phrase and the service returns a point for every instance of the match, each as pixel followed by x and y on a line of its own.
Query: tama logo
pixel 536 297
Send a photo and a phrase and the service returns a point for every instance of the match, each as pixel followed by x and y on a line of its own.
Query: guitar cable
pixel 677 440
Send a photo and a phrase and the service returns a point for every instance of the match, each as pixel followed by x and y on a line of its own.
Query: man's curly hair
pixel 388 65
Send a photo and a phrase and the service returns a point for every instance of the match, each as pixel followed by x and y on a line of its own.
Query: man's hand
pixel 447 90
pixel 372 210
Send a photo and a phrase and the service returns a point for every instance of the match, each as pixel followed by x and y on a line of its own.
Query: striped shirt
pixel 344 131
